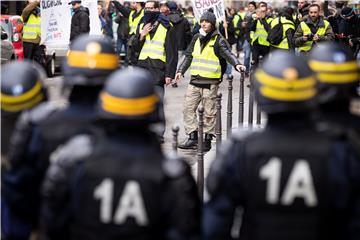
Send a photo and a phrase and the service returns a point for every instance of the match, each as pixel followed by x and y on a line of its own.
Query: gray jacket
pixel 222 51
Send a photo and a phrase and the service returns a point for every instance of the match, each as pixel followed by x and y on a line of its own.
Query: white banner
pixel 200 6
pixel 56 21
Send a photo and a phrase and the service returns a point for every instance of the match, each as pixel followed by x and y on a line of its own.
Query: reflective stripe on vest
pixel 306 30
pixel 134 22
pixel 205 63
pixel 154 48
pixel 287 24
pixel 260 33
pixel 32 28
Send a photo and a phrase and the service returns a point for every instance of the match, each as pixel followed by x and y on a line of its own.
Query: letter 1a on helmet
pixel 129 97
pixel 90 60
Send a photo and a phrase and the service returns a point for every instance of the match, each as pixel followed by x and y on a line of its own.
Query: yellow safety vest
pixel 205 63
pixel 32 28
pixel 235 21
pixel 134 22
pixel 154 48
pixel 306 47
pixel 287 24
pixel 260 33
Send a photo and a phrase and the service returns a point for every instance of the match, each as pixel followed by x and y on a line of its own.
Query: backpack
pixel 275 34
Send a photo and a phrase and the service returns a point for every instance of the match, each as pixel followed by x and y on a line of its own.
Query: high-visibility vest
pixel 134 22
pixel 306 30
pixel 205 63
pixel 260 33
pixel 154 48
pixel 32 28
pixel 192 21
pixel 287 24
pixel 235 21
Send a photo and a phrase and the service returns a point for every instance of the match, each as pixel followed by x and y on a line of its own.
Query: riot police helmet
pixel 129 96
pixel 21 86
pixel 336 71
pixel 285 83
pixel 90 60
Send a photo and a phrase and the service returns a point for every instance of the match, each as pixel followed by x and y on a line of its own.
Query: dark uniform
pixel 40 131
pixel 291 181
pixel 115 183
pixel 338 75
pixel 21 90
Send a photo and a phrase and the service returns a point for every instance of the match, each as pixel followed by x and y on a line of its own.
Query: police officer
pixel 338 76
pixel 291 181
pixel 122 186
pixel 40 131
pixel 135 14
pixel 206 56
pixel 313 30
pixel 21 90
pixel 155 41
pixel 32 28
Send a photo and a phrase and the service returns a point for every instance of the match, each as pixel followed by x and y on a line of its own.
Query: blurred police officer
pixel 313 30
pixel 291 181
pixel 206 56
pixel 338 76
pixel 40 131
pixel 115 183
pixel 21 90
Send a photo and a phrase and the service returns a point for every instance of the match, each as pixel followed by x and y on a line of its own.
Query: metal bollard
pixel 175 133
pixel 229 108
pixel 218 129
pixel 251 101
pixel 200 154
pixel 258 112
pixel 241 100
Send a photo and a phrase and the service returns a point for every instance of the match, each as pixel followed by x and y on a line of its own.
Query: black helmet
pixel 285 83
pixel 21 86
pixel 129 95
pixel 90 60
pixel 209 17
pixel 336 70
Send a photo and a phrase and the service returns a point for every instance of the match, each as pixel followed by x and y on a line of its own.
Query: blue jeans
pixel 247 54
pixel 119 46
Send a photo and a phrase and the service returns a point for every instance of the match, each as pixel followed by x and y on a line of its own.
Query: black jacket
pixel 182 30
pixel 121 157
pixel 123 27
pixel 222 51
pixel 169 67
pixel 80 22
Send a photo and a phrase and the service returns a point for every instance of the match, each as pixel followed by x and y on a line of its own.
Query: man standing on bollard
pixel 206 56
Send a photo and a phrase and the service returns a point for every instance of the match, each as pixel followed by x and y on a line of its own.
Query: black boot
pixel 207 142
pixel 191 142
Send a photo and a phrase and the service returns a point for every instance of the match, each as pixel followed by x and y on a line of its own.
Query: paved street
pixel 174 100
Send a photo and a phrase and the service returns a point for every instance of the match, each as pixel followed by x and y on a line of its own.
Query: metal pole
pixel 229 109
pixel 175 133
pixel 241 100
pixel 251 100
pixel 200 154
pixel 258 112
pixel 218 121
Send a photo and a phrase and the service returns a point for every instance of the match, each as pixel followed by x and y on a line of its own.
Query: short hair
pixel 263 3
pixel 156 3
pixel 252 3
pixel 315 5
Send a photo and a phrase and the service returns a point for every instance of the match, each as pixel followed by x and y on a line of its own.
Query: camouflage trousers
pixel 207 97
